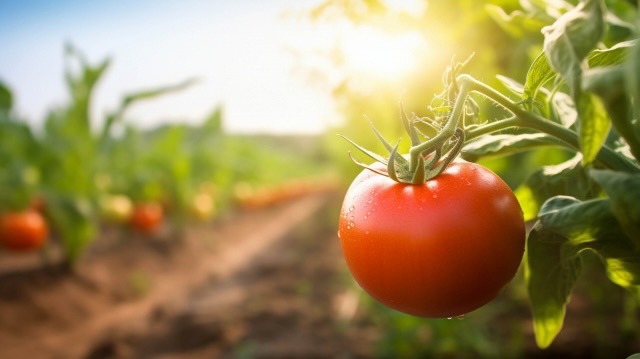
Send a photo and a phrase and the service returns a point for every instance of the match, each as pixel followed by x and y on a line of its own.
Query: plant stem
pixel 447 131
pixel 490 128
pixel 522 118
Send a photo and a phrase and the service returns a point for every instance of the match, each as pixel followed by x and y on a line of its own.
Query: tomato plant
pixel 581 94
pixel 23 231
pixel 147 217
pixel 438 249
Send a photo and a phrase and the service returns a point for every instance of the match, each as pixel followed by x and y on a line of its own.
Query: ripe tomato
pixel 440 249
pixel 147 217
pixel 23 231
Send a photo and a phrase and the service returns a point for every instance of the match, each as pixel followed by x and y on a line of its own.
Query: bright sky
pixel 240 50
pixel 235 47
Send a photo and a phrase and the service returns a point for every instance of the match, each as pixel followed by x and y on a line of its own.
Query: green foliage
pixel 571 75
pixel 74 161
pixel 6 98
pixel 550 280
pixel 579 206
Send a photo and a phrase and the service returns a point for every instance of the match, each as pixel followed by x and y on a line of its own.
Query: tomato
pixel 440 249
pixel 147 217
pixel 116 208
pixel 203 206
pixel 23 231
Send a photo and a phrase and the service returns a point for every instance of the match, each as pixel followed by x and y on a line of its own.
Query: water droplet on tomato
pixel 351 224
pixel 370 199
pixel 435 195
pixel 351 209
pixel 449 318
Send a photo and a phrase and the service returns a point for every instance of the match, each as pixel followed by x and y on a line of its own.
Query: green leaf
pixel 511 84
pixel 517 24
pixel 499 145
pixel 608 83
pixel 614 55
pixel 625 270
pixel 568 41
pixel 136 97
pixel 6 98
pixel 632 68
pixel 156 92
pixel 592 225
pixel 72 219
pixel 539 73
pixel 81 87
pixel 564 110
pixel 568 178
pixel 552 268
pixel 581 222
pixel 624 193
pixel 567 226
pixel 594 126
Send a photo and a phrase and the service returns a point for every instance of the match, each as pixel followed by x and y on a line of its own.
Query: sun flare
pixel 372 52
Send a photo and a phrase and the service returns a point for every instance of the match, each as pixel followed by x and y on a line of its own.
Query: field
pixel 458 180
pixel 259 284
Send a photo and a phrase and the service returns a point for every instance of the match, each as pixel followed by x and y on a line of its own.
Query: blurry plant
pixel 68 157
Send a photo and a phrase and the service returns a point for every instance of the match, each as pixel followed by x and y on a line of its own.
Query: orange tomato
pixel 23 231
pixel 147 217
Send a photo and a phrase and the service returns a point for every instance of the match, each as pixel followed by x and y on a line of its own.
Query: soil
pixel 255 284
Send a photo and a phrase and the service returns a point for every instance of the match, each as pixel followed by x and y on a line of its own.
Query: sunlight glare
pixel 372 52
pixel 408 6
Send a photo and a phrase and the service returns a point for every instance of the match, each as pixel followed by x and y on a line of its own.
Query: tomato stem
pixel 448 131
pixel 523 118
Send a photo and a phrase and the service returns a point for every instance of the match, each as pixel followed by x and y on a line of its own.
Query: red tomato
pixel 440 249
pixel 23 231
pixel 147 217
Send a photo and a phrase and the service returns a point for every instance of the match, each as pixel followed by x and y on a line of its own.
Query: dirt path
pixel 220 292
pixel 291 302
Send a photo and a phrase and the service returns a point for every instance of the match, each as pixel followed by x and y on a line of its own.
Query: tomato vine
pixel 580 95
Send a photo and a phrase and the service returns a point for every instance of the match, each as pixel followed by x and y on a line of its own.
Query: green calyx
pixel 426 159
pixel 428 156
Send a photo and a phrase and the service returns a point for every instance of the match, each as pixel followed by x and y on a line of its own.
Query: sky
pixel 237 50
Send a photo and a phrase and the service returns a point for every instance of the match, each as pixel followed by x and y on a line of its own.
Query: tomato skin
pixel 23 231
pixel 147 217
pixel 436 250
